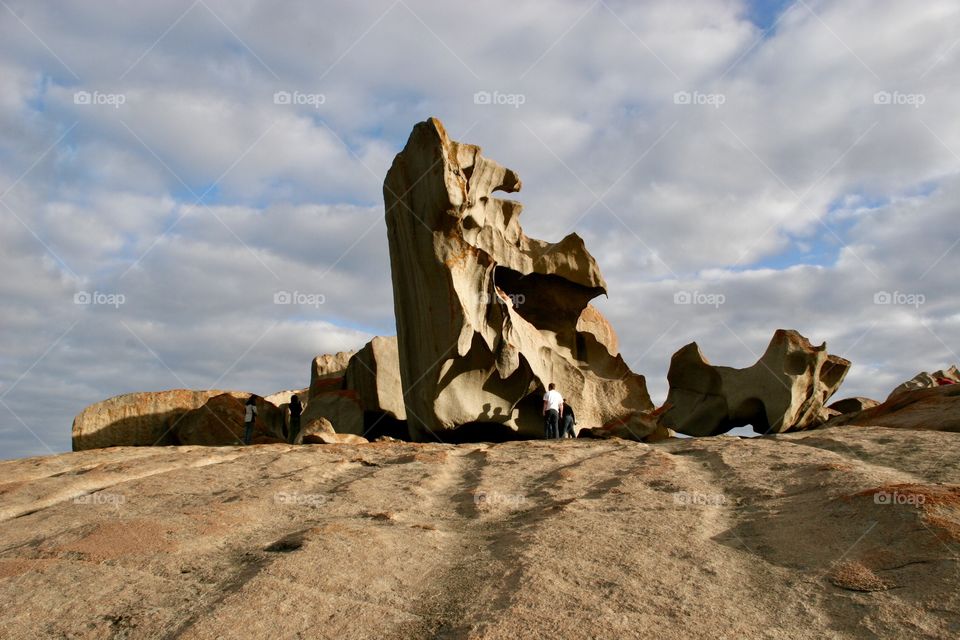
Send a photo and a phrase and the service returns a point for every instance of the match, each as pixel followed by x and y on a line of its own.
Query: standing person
pixel 295 410
pixel 567 421
pixel 249 419
pixel 552 406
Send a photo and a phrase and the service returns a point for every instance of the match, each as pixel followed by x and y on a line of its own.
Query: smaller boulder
pixel 852 405
pixel 641 426
pixel 925 380
pixel 333 438
pixel 313 427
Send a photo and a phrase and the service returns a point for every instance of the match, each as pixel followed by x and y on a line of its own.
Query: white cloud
pixel 796 196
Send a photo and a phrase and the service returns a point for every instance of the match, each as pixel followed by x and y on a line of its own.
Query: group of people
pixel 250 419
pixel 558 415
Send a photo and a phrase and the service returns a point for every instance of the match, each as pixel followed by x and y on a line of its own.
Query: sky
pixel 190 190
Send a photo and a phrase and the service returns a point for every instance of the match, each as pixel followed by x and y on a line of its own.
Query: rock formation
pixel 925 380
pixel 328 366
pixel 936 408
pixel 374 373
pixel 355 392
pixel 693 539
pixel 853 405
pixel 220 422
pixel 328 398
pixel 487 317
pixel 359 392
pixel 151 418
pixel 641 426
pixel 785 390
pixel 338 405
pixel 326 437
pixel 314 426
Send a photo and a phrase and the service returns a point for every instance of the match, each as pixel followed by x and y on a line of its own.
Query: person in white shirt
pixel 552 408
pixel 249 419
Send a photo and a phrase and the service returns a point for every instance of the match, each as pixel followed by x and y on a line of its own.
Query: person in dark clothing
pixel 295 410
pixel 567 421
pixel 552 406
pixel 249 419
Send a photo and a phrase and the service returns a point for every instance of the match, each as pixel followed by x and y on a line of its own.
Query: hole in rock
pixel 831 373
pixel 750 412
pixel 545 301
pixel 795 364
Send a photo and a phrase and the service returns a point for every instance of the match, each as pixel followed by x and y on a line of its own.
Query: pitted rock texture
pixel 786 390
pixel 486 316
pixel 835 533
pixel 928 380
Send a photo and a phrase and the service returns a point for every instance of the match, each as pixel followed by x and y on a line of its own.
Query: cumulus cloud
pixel 223 153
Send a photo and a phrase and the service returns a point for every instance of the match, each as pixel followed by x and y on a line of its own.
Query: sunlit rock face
pixel 487 317
pixel 786 390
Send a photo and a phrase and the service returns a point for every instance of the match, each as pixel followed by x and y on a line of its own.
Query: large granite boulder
pixel 220 422
pixel 145 418
pixel 786 390
pixel 693 539
pixel 155 418
pixel 374 374
pixel 487 317
pixel 928 380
